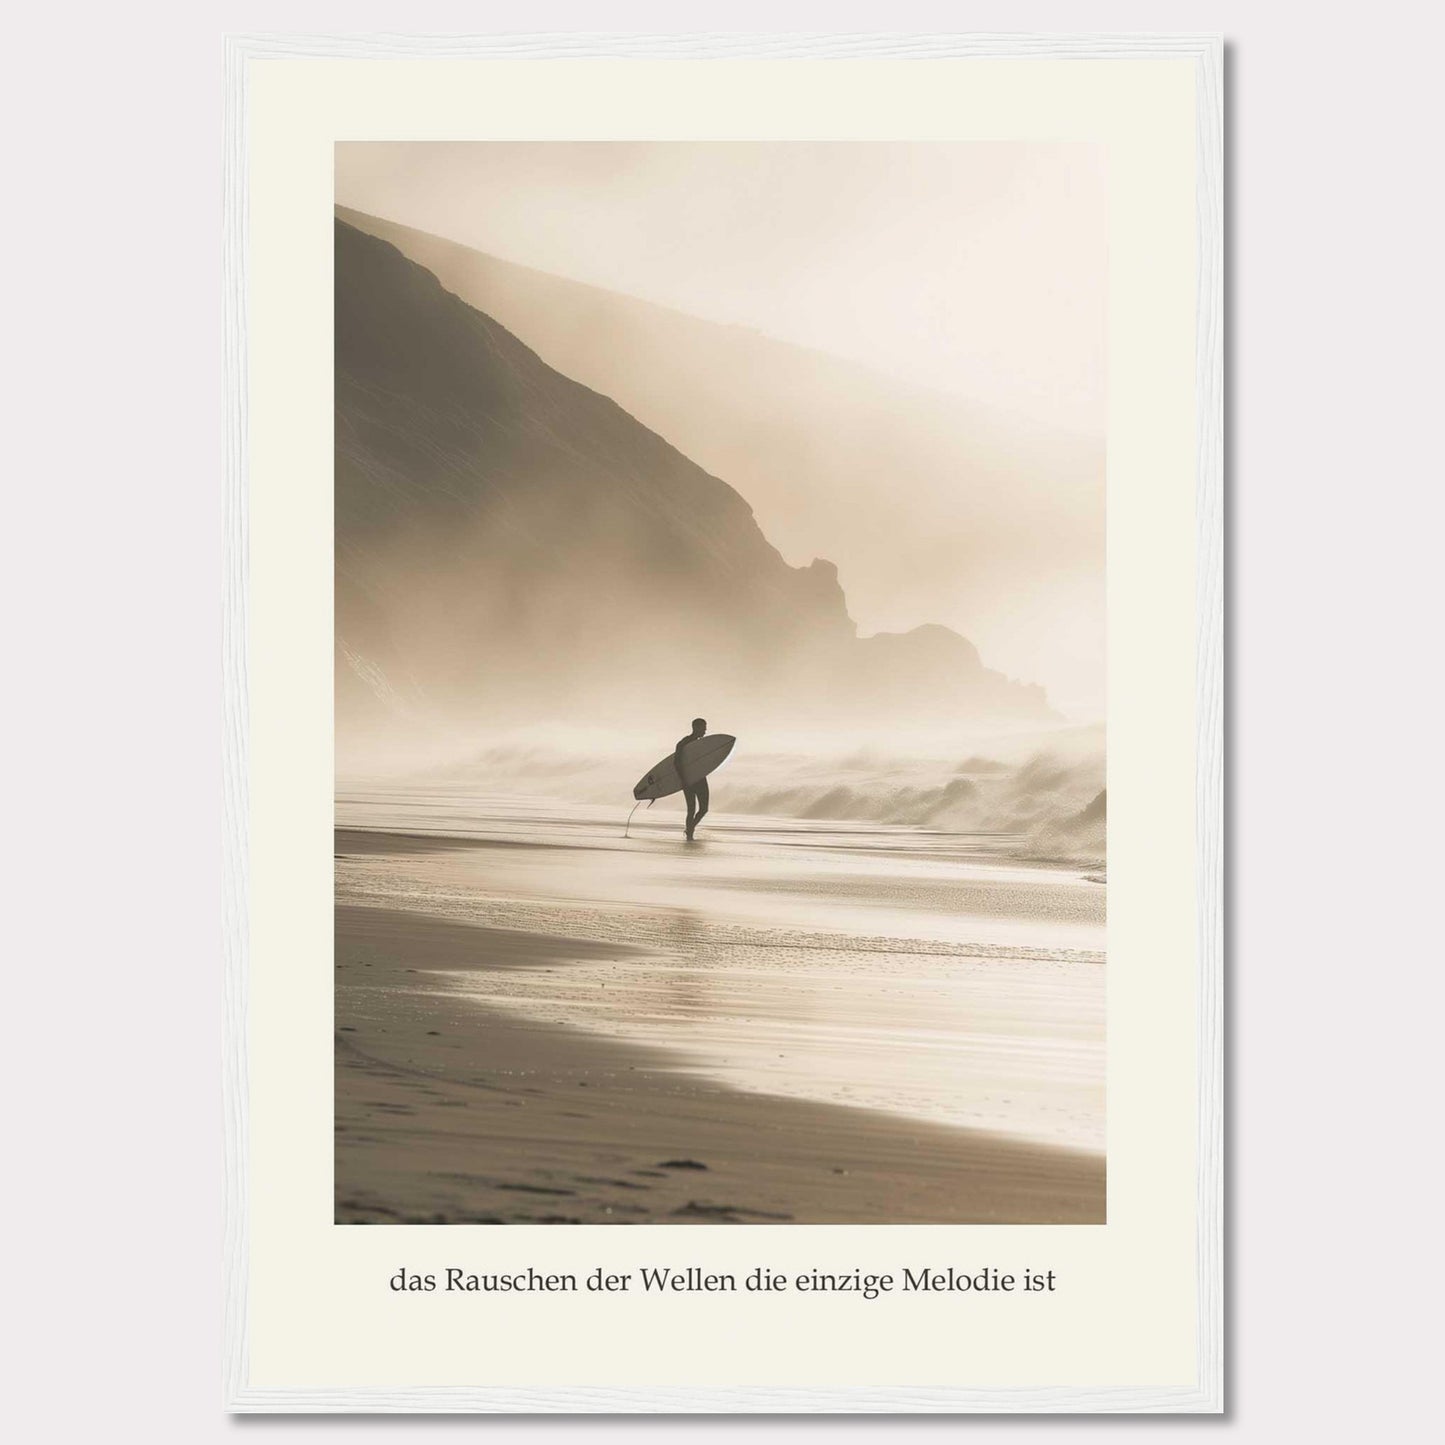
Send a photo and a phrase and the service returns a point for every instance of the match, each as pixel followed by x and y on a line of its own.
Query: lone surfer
pixel 695 793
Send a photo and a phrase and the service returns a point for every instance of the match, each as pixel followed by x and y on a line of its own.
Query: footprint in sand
pixel 728 1213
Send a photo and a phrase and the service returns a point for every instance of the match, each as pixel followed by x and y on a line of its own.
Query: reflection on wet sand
pixel 923 988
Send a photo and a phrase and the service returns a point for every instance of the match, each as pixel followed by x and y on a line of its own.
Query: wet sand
pixel 538 1021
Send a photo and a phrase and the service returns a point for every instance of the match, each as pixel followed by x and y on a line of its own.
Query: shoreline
pixel 450 1110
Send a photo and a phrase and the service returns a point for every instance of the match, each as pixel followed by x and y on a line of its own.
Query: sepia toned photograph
pixel 720 683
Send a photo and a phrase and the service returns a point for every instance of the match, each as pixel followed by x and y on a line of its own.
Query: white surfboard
pixel 699 758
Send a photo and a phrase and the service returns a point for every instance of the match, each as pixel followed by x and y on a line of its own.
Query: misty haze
pixel 642 446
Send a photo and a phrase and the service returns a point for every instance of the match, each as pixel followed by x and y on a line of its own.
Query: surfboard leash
pixel 635 807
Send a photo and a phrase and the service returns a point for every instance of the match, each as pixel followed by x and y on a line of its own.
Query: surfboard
pixel 699 758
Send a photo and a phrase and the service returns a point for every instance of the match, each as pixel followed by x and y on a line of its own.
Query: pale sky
pixel 978 269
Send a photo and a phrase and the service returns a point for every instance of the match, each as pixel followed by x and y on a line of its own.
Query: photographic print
pixel 720 682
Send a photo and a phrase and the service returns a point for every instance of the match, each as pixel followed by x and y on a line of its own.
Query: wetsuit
pixel 694 793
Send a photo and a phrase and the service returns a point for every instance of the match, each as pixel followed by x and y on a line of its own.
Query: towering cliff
pixel 513 546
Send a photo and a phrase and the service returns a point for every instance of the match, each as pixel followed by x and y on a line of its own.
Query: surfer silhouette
pixel 695 793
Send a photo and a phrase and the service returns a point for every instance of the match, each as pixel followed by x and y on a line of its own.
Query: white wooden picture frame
pixel 246 1388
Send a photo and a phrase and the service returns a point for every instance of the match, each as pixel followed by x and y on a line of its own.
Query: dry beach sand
pixel 540 1021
